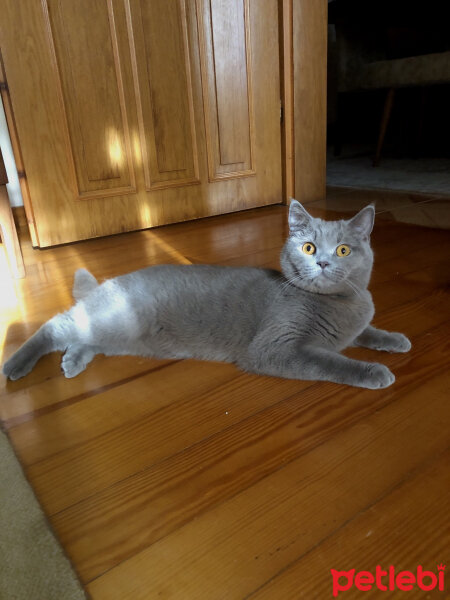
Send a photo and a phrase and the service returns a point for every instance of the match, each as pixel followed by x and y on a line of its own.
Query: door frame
pixel 9 114
pixel 303 73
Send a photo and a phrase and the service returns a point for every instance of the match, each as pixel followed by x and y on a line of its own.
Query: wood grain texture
pixel 92 98
pixel 310 96
pixel 8 230
pixel 20 217
pixel 12 130
pixel 193 480
pixel 398 530
pixel 225 52
pixel 285 514
pixel 287 98
pixel 160 55
pixel 131 113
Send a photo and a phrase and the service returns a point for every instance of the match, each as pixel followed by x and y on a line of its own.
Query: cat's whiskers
pixel 289 282
pixel 342 275
pixel 306 274
pixel 337 276
pixel 353 287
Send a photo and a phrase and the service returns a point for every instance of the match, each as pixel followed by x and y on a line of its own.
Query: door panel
pixel 132 113
pixel 89 75
pixel 161 68
pixel 226 74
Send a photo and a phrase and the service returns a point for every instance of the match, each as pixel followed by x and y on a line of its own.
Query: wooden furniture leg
pixel 384 123
pixel 8 227
pixel 9 235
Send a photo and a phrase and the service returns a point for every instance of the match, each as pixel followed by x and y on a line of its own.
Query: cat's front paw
pixel 377 376
pixel 76 359
pixel 70 367
pixel 396 342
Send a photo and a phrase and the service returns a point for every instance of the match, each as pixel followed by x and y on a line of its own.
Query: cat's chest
pixel 350 319
pixel 334 322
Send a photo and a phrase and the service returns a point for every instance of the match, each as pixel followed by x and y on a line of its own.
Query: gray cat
pixel 291 324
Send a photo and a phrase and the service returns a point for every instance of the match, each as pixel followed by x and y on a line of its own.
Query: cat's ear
pixel 298 217
pixel 362 223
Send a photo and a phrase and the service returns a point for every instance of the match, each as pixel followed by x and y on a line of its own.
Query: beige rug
pixel 424 175
pixel 32 564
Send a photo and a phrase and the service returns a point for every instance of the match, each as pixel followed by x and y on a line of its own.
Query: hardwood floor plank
pixel 116 408
pixel 193 480
pixel 287 513
pixel 99 532
pixel 406 528
pixel 195 411
pixel 21 402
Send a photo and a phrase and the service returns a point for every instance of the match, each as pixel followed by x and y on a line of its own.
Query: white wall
pixel 13 187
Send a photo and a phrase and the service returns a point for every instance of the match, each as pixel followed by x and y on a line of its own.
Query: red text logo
pixel 388 580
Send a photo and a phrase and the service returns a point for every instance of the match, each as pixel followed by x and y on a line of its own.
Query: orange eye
pixel 343 250
pixel 309 248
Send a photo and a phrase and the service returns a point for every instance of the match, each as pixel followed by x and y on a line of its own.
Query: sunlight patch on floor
pixel 11 306
pixel 170 250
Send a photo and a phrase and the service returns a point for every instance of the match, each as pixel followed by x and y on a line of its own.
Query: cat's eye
pixel 309 248
pixel 343 250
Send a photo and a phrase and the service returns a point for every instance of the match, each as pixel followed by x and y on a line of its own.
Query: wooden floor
pixel 191 480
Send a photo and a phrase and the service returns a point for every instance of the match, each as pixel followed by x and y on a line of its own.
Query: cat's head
pixel 328 257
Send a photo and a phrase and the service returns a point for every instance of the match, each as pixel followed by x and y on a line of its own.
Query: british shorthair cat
pixel 291 324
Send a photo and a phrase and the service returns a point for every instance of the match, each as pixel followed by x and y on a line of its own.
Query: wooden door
pixel 133 113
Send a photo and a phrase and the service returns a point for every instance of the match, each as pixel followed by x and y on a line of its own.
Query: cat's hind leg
pixel 54 335
pixel 76 359
pixel 23 361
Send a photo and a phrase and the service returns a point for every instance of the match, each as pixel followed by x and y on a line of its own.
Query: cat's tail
pixel 84 282
pixel 54 335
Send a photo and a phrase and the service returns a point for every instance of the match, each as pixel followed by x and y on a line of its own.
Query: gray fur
pixel 292 324
pixel 83 283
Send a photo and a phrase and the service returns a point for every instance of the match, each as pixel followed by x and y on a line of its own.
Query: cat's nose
pixel 323 263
